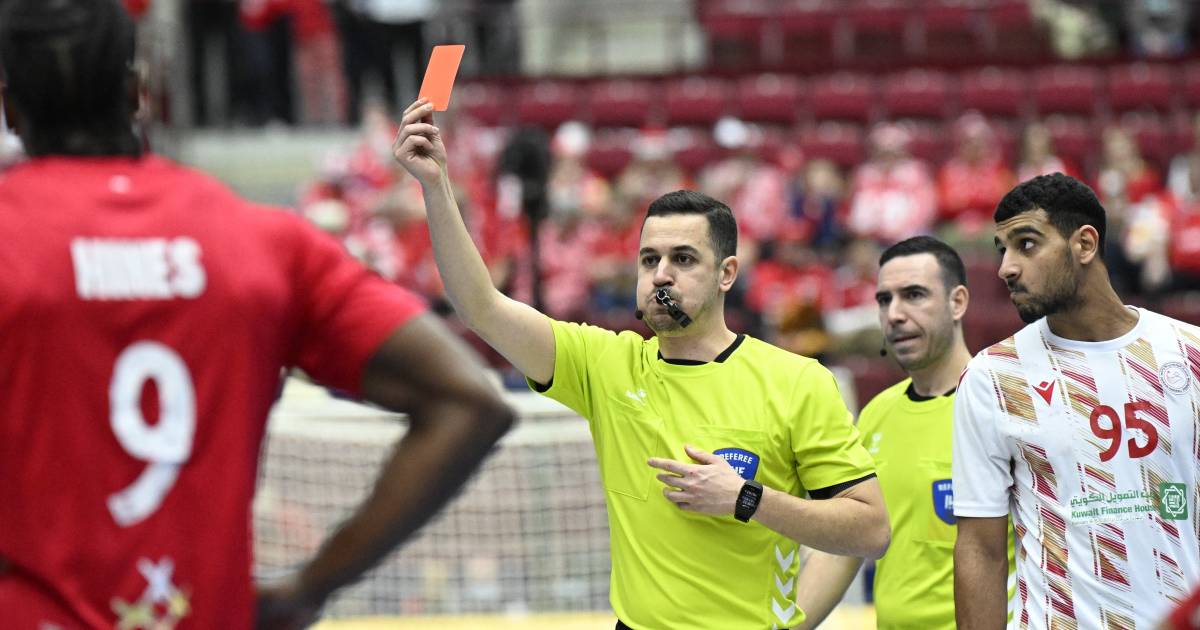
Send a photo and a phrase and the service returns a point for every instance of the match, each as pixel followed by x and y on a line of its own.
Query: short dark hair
pixel 1068 202
pixel 68 67
pixel 954 272
pixel 722 228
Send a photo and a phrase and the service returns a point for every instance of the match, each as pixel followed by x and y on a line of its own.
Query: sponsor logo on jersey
pixel 943 500
pixel 743 461
pixel 1172 501
pixel 1045 389
pixel 1174 376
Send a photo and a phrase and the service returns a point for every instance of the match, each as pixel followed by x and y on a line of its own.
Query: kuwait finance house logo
pixel 1172 501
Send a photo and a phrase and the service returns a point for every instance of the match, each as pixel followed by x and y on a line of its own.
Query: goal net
pixel 527 534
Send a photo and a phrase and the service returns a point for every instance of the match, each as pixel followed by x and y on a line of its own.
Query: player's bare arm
pixel 822 583
pixel 514 329
pixel 853 522
pixel 980 572
pixel 455 417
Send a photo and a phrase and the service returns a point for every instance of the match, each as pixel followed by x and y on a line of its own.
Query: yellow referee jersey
pixel 775 416
pixel 910 441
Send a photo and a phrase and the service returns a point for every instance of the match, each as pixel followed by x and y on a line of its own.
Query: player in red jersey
pixel 146 314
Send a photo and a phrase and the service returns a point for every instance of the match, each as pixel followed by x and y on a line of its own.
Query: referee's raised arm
pixel 516 330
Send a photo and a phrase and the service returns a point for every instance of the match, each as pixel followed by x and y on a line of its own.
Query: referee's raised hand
pixel 710 486
pixel 418 146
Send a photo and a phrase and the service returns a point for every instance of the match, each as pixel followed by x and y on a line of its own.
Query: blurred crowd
pixel 810 232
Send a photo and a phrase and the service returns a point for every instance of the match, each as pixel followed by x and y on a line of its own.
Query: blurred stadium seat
pixel 995 91
pixel 1075 139
pixel 1141 86
pixel 484 102
pixel 770 98
pixel 697 101
pixel 622 103
pixel 917 93
pixel 881 31
pixel 844 96
pixel 949 32
pixel 1011 34
pixel 549 103
pixel 930 141
pixel 610 152
pixel 813 34
pixel 1152 135
pixel 1067 89
pixel 841 143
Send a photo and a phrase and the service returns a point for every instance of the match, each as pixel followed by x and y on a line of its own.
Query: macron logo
pixel 639 397
pixel 1045 389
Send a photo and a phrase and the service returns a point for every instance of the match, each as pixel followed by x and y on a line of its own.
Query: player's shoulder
pixel 1169 325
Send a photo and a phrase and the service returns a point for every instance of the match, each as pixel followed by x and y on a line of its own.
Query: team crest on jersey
pixel 743 461
pixel 1174 376
pixel 162 605
pixel 943 500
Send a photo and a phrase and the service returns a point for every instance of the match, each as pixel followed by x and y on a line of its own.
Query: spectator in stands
pixel 749 182
pixel 652 172
pixel 267 55
pixel 1131 191
pixel 816 198
pixel 1183 178
pixel 372 33
pixel 1038 156
pixel 972 182
pixel 892 195
pixel 1159 28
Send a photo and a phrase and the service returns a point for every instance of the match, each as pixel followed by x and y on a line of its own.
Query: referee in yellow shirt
pixel 922 297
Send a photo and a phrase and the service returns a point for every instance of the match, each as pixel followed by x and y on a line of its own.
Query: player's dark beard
pixel 1061 293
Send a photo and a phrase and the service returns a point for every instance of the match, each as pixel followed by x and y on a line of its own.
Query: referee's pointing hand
pixel 710 486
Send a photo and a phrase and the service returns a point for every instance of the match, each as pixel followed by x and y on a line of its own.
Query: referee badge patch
pixel 743 461
pixel 943 500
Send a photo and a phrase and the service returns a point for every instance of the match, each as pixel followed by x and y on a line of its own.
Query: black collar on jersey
pixel 720 357
pixel 915 397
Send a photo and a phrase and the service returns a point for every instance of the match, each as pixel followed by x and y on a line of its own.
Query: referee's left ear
pixel 728 273
pixel 960 298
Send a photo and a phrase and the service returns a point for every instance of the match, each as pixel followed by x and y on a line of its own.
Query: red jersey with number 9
pixel 146 315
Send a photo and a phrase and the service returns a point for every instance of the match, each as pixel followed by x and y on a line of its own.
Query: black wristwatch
pixel 747 501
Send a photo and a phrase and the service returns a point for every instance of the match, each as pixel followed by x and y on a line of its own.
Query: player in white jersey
pixel 1084 426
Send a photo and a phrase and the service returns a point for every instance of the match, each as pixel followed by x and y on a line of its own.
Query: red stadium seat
pixel 1074 139
pixel 950 32
pixel 1191 85
pixel 622 103
pixel 735 30
pixel 1011 33
pixel 697 150
pixel 813 32
pixel 843 96
pixel 841 143
pixel 484 102
pixel 917 93
pixel 881 31
pixel 1152 135
pixel 1067 89
pixel 995 91
pixel 610 152
pixel 770 98
pixel 1141 86
pixel 929 142
pixel 697 101
pixel 549 103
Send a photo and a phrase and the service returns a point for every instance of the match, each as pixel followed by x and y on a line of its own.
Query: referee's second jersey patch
pixel 743 461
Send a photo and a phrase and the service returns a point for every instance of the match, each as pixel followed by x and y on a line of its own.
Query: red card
pixel 439 76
